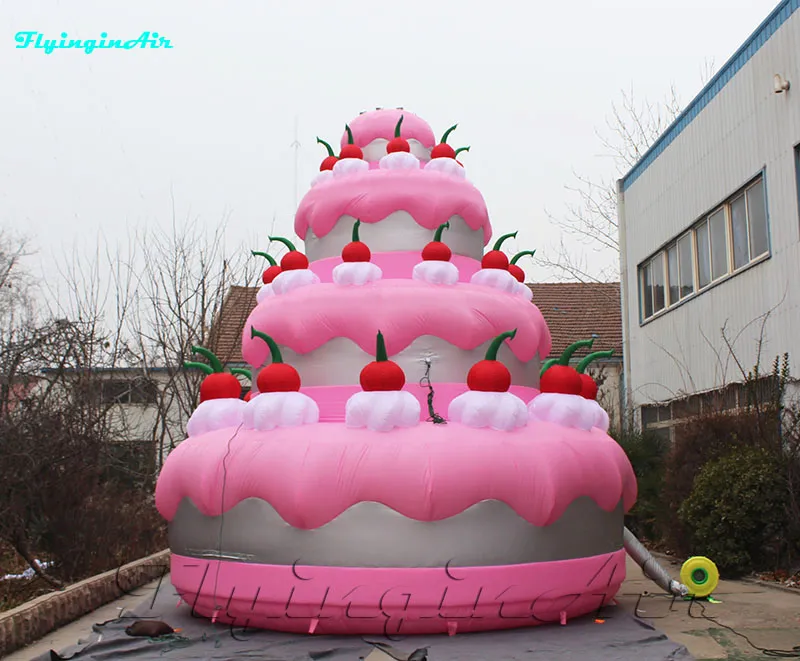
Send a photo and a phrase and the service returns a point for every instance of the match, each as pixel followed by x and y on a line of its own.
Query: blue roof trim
pixel 768 27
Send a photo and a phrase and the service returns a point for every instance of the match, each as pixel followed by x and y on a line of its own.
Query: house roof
pixel 573 311
pixel 742 56
pixel 581 311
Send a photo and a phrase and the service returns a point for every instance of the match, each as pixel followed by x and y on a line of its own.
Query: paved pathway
pixel 768 616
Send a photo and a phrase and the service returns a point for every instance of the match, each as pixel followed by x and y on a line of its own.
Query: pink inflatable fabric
pixel 314 469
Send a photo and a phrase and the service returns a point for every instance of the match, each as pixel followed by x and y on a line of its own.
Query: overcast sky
pixel 99 142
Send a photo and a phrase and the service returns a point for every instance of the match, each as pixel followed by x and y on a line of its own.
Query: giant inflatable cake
pixel 399 465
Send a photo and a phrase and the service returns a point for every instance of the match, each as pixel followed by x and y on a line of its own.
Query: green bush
pixel 736 512
pixel 647 453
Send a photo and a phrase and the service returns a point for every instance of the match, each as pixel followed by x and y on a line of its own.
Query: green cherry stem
pixel 349 134
pixel 494 347
pixel 327 146
pixel 267 256
pixel 273 348
pixel 460 149
pixel 447 134
pixel 572 348
pixel 437 236
pixel 216 365
pixel 581 368
pixel 242 372
pixel 397 127
pixel 356 225
pixel 198 366
pixel 522 254
pixel 380 349
pixel 285 242
pixel 547 365
pixel 503 238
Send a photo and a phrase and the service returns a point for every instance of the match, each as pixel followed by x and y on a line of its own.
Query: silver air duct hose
pixel 651 567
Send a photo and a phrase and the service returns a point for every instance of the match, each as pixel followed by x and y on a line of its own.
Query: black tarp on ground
pixel 620 637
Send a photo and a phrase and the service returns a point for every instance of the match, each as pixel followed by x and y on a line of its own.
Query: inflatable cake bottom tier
pixel 328 529
pixel 396 601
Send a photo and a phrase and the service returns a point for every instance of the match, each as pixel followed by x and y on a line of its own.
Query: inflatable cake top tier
pixel 381 124
pixel 392 173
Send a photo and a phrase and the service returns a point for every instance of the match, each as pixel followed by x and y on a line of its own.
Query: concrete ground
pixel 768 616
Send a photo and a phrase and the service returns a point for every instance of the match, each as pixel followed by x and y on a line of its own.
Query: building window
pixel 129 391
pixel 797 174
pixel 729 238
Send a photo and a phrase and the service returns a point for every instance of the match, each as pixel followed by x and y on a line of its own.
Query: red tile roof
pixel 579 311
pixel 573 311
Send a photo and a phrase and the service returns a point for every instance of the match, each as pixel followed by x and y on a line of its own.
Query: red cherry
pixel 350 150
pixel 382 374
pixel 490 375
pixel 436 250
pixel 588 387
pixel 293 260
pixel 221 385
pixel 588 384
pixel 356 251
pixel 270 274
pixel 443 150
pixel 328 163
pixel 277 377
pixel 496 258
pixel 561 379
pixel 397 143
pixel 330 160
pixel 250 394
pixel 517 272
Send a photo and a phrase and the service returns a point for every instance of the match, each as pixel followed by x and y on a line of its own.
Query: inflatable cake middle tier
pixel 327 332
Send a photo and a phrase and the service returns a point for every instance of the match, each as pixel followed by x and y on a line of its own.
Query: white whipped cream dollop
pixel 269 410
pixel 399 160
pixel 501 411
pixel 264 293
pixel 322 177
pixel 345 166
pixel 382 410
pixel 436 272
pixel 287 281
pixel 356 273
pixel 499 279
pixel 214 414
pixel 568 411
pixel 524 291
pixel 446 166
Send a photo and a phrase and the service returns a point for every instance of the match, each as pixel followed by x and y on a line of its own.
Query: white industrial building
pixel 709 225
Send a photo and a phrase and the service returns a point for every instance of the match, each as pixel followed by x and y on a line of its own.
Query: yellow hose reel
pixel 700 575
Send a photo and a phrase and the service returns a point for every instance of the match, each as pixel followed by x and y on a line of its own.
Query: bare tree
pixel 590 221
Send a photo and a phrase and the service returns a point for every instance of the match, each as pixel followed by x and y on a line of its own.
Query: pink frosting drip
pixel 463 314
pixel 430 197
pixel 312 474
pixel 380 124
